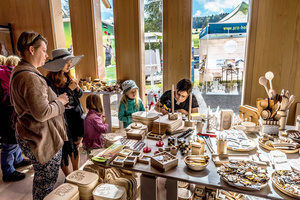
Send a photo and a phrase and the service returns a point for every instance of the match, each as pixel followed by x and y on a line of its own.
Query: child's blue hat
pixel 129 85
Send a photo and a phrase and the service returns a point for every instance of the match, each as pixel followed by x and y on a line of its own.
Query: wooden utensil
pixel 265 114
pixel 263 104
pixel 270 76
pixel 263 81
pixel 291 100
pixel 275 108
pixel 272 93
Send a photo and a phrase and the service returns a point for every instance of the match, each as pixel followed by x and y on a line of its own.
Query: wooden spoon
pixel 263 81
pixel 291 100
pixel 270 76
pixel 272 93
pixel 275 108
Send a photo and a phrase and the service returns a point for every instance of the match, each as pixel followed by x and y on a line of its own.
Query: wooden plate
pixel 283 190
pixel 244 187
pixel 272 148
pixel 253 146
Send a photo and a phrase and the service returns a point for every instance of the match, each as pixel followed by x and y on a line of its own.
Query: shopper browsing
pixel 63 82
pixel 130 102
pixel 40 128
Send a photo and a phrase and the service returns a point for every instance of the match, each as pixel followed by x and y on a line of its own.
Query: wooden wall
pixel 273 45
pixel 129 41
pixel 177 41
pixel 29 15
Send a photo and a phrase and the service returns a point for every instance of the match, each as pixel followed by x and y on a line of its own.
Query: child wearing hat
pixel 63 82
pixel 130 102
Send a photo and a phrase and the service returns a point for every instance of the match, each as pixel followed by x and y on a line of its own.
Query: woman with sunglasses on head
pixel 40 128
pixel 181 99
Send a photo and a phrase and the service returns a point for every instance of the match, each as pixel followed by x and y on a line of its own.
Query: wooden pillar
pixel 177 41
pixel 58 24
pixel 273 45
pixel 129 41
pixel 86 28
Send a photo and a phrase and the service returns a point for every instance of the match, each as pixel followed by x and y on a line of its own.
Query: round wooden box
pixel 86 182
pixel 106 191
pixel 66 191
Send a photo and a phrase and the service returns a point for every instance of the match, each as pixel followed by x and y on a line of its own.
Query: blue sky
pixel 200 8
pixel 203 8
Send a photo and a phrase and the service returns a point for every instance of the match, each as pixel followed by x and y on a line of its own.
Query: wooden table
pixel 208 177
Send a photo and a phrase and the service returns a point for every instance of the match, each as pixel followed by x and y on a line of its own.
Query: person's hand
pixel 182 111
pixel 77 143
pixel 73 85
pixel 63 98
pixel 164 111
pixel 103 119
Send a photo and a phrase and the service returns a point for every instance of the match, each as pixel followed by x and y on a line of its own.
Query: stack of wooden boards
pixel 171 126
pixel 86 182
pixel 65 191
pixel 145 118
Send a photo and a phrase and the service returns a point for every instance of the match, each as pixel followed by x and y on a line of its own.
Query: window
pixel 219 39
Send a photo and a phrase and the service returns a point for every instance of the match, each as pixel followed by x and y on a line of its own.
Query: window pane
pixel 153 48
pixel 219 39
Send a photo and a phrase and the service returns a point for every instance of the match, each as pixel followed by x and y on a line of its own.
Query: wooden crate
pixel 164 161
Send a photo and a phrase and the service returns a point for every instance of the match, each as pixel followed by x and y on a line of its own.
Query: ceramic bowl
pixel 195 167
pixel 240 127
pixel 250 126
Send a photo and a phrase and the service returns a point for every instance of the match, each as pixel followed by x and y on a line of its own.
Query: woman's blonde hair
pixel 93 101
pixel 2 60
pixel 27 39
pixel 124 100
pixel 57 78
pixel 12 61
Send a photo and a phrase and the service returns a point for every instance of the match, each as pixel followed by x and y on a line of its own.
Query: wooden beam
pixel 106 3
pixel 83 28
pixel 129 41
pixel 58 24
pixel 177 41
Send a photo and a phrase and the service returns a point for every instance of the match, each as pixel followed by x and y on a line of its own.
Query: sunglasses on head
pixel 34 40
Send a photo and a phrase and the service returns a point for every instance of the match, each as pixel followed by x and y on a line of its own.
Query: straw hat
pixel 60 57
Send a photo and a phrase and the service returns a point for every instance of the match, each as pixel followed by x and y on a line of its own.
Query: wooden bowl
pixel 195 167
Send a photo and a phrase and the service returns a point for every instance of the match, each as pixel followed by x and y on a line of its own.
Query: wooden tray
pixel 283 190
pixel 219 159
pixel 155 136
pixel 253 146
pixel 164 166
pixel 245 187
pixel 144 159
pixel 272 148
pixel 130 161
